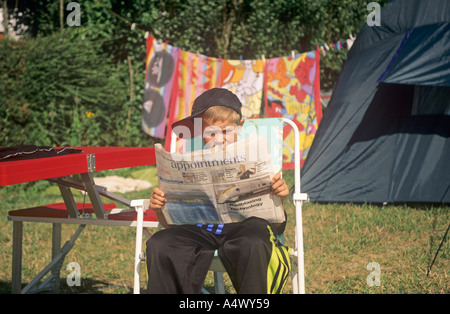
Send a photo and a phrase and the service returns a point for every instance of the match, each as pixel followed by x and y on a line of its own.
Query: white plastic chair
pixel 297 272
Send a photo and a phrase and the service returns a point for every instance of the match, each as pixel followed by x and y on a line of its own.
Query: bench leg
pixel 56 247
pixel 37 284
pixel 16 280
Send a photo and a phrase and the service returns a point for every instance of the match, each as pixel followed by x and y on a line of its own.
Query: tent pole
pixel 439 248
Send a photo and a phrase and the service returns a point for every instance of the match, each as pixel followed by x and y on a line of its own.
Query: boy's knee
pixel 256 228
pixel 157 243
pixel 254 234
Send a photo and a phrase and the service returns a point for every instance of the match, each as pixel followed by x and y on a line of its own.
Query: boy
pixel 178 257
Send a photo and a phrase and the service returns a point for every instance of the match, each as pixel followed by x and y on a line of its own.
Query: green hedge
pixel 63 90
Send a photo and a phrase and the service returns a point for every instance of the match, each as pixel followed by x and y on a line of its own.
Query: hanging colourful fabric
pixel 195 73
pixel 292 88
pixel 245 78
pixel 159 69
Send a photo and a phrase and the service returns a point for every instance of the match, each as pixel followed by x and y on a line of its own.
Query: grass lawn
pixel 340 241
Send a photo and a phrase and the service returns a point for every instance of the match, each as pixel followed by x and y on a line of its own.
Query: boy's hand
pixel 279 186
pixel 157 200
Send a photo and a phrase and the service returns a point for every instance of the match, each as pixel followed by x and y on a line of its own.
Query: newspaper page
pixel 223 184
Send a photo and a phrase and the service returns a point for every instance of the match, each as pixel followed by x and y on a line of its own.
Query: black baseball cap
pixel 208 99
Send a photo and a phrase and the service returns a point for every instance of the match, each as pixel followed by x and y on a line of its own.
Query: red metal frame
pixel 20 171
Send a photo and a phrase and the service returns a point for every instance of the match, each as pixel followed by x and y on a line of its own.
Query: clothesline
pixel 338 45
pixel 291 86
pixel 286 87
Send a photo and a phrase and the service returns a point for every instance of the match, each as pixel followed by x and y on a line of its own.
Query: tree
pixel 62 95
pixel 63 72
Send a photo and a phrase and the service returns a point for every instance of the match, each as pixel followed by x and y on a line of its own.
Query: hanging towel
pixel 159 73
pixel 245 78
pixel 195 74
pixel 292 88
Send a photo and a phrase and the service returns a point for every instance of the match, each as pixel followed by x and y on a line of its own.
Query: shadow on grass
pixel 88 286
pixel 92 286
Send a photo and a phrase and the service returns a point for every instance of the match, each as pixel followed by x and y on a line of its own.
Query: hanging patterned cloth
pixel 292 88
pixel 195 73
pixel 245 78
pixel 159 77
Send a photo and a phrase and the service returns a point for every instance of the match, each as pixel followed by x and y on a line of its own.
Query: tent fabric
pixel 420 61
pixel 385 136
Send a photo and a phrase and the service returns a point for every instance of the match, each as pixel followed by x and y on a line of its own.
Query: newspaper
pixel 222 184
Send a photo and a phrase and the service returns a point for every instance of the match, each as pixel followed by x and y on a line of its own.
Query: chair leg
pixel 139 206
pixel 137 254
pixel 219 284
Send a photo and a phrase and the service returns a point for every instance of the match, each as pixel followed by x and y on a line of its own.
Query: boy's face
pixel 219 133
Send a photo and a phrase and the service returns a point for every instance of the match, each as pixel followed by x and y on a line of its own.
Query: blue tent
pixel 385 136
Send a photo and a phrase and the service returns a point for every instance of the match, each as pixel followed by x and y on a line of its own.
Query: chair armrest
pixel 300 197
pixel 143 204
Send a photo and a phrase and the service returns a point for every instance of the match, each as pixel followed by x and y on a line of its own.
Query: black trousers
pixel 178 258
